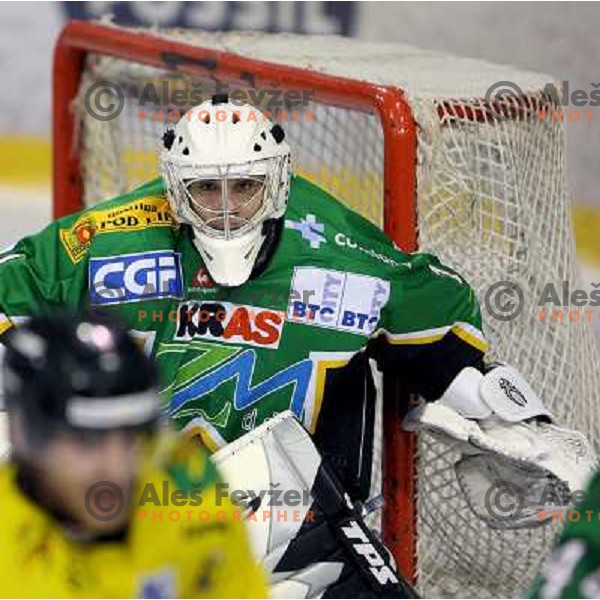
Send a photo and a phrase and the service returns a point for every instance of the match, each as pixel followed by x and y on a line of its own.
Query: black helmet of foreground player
pixel 81 397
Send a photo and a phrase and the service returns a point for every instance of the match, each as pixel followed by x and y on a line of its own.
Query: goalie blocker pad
pixel 303 526
pixel 502 391
pixel 501 395
pixel 512 458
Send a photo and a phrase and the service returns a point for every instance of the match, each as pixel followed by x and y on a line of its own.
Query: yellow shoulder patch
pixel 5 324
pixel 78 238
pixel 146 213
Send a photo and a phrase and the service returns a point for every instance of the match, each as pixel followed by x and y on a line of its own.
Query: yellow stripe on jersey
pixel 426 336
pixel 464 331
pixel 322 366
pixel 5 324
pixel 209 436
pixel 474 337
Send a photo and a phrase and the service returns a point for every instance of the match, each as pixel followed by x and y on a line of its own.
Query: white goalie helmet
pixel 227 170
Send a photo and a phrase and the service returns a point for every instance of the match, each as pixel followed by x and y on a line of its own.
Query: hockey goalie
pixel 259 293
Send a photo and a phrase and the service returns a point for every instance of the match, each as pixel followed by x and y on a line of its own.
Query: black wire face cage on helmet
pixel 226 202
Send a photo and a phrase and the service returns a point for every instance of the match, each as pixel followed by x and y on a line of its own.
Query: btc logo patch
pixel 337 300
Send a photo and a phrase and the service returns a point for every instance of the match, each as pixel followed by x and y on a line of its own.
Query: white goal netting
pixel 491 201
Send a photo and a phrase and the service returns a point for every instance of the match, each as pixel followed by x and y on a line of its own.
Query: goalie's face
pixel 227 204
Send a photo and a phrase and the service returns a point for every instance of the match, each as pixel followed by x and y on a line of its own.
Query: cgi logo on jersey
pixel 135 277
pixel 337 300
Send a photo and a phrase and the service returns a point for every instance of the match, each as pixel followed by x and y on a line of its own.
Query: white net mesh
pixel 491 202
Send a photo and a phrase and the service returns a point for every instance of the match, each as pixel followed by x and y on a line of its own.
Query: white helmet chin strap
pixel 230 262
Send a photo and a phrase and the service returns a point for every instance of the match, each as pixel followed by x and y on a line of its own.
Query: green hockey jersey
pixel 335 293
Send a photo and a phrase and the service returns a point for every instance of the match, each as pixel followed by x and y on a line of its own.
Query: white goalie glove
pixel 513 461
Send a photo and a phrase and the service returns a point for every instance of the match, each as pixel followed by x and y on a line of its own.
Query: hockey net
pixel 408 139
